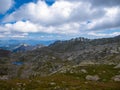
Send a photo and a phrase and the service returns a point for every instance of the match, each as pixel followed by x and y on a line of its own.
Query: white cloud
pixel 43 14
pixel 103 34
pixel 21 26
pixel 60 12
pixel 5 5
pixel 14 35
pixel 29 27
pixel 108 21
pixel 1 36
pixel 18 36
pixel 64 17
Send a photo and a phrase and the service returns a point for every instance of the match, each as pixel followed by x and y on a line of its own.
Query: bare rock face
pixel 5 77
pixel 70 58
pixel 116 78
pixel 52 83
pixel 83 70
pixel 92 78
pixel 117 66
pixel 114 51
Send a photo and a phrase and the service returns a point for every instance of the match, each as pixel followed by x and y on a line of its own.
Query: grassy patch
pixel 71 81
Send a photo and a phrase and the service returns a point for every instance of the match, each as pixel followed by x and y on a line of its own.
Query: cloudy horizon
pixel 59 19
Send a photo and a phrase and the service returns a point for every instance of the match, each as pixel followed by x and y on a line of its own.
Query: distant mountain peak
pixel 82 39
pixel 24 44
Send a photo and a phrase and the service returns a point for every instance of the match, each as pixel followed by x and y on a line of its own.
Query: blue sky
pixel 59 19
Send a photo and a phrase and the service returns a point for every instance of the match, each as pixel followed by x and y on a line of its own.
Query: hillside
pixel 79 59
pixel 81 49
pixel 46 60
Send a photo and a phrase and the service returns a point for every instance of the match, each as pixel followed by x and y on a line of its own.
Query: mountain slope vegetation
pixel 55 67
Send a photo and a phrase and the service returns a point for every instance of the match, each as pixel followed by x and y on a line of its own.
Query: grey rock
pixel 5 77
pixel 92 78
pixel 52 83
pixel 117 66
pixel 116 78
pixel 83 70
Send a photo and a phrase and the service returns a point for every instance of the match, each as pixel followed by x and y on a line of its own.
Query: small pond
pixel 17 63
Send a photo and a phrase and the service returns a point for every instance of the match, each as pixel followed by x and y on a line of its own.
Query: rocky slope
pixel 103 50
pixel 80 51
pixel 76 60
pixel 26 47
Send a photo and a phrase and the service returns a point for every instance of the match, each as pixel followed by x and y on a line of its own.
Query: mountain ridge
pixel 61 54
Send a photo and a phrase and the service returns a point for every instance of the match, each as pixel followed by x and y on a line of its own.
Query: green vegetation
pixel 76 64
pixel 106 72
pixel 71 79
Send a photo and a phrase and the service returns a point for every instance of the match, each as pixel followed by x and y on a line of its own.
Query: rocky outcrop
pixel 116 78
pixel 92 77
pixel 80 51
pixel 5 77
pixel 117 66
pixel 83 70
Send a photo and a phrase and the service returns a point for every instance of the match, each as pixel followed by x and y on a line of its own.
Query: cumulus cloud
pixel 103 34
pixel 100 3
pixel 104 3
pixel 60 12
pixel 65 17
pixel 29 27
pixel 21 26
pixel 41 13
pixel 13 35
pixel 109 21
pixel 5 5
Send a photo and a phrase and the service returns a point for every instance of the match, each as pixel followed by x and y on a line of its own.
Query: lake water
pixel 17 63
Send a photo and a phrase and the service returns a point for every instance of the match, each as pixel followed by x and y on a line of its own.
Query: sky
pixel 59 19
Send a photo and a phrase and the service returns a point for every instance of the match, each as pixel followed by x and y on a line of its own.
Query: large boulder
pixel 92 78
pixel 117 66
pixel 83 70
pixel 116 78
pixel 5 77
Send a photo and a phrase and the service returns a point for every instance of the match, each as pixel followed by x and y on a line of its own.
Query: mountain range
pixel 48 59
pixel 11 44
pixel 76 58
